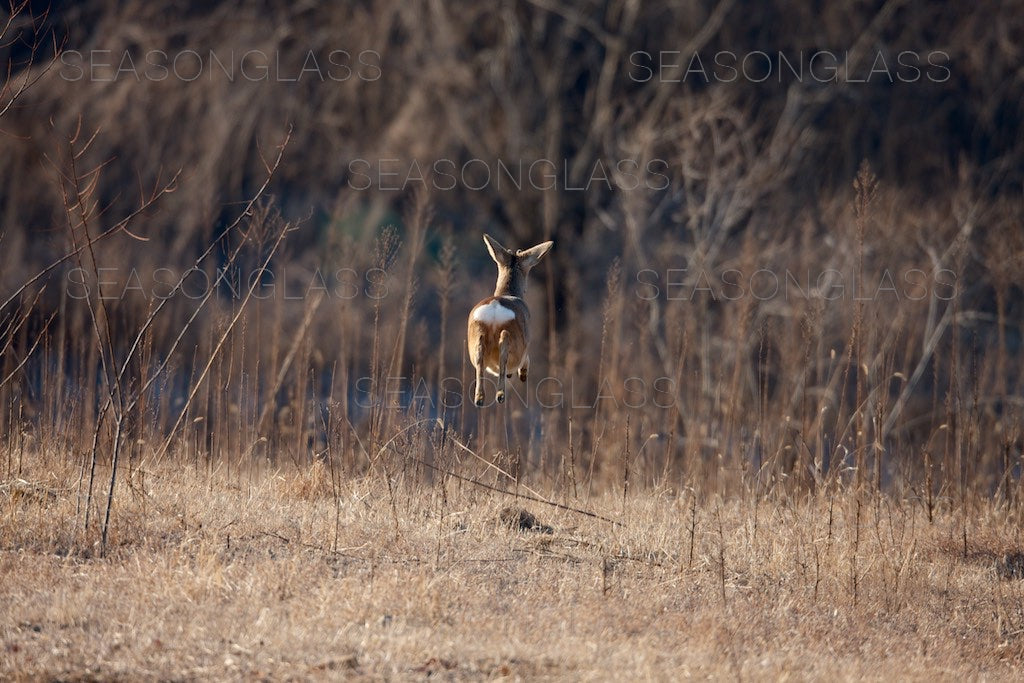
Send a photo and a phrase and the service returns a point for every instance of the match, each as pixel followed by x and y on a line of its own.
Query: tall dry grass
pixel 778 397
pixel 704 334
pixel 301 572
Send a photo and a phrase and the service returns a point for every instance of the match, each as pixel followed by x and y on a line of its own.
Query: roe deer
pixel 499 326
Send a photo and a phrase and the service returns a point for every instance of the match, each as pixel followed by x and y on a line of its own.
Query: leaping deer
pixel 499 326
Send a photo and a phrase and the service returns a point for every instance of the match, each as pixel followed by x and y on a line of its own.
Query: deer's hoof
pixel 500 397
pixel 479 401
pixel 522 375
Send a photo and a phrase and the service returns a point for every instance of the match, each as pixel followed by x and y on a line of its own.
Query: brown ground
pixel 217 576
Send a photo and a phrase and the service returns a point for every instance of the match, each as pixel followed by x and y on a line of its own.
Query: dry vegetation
pixel 286 574
pixel 774 421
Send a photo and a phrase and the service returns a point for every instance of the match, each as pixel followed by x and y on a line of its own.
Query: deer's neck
pixel 510 283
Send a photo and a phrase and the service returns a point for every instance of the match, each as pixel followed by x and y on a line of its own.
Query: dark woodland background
pixel 673 179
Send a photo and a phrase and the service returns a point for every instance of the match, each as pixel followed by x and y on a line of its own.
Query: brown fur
pixel 489 335
pixel 500 348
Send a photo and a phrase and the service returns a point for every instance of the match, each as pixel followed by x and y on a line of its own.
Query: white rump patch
pixel 494 314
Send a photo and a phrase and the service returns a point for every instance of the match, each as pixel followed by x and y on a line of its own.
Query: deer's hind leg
pixel 478 363
pixel 502 364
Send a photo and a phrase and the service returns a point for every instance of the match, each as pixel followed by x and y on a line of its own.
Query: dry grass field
pixel 283 575
pixel 773 427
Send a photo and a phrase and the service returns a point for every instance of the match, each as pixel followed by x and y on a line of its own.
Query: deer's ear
pixel 500 254
pixel 530 257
